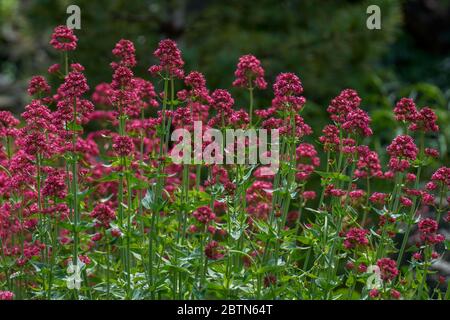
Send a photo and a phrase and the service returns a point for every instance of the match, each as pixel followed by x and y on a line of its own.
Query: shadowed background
pixel 327 45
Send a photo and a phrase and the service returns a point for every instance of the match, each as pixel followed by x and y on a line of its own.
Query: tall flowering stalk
pixel 250 75
pixel 71 90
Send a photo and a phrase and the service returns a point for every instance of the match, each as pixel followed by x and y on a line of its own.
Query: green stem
pixel 75 188
pixel 129 214
pixel 410 217
pixel 251 105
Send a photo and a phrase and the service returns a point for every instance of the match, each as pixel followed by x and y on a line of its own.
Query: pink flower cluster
pixel 6 295
pixel 402 150
pixel 54 175
pixel 420 120
pixel 204 215
pixel 126 52
pixel 388 269
pixel 355 237
pixel 249 73
pixel 214 250
pixel 63 39
pixel 170 60
pixel 103 214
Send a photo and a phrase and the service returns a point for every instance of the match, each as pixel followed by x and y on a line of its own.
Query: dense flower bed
pixel 106 214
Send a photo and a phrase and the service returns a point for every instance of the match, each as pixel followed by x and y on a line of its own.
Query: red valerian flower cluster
pixel 388 269
pixel 170 60
pixel 104 214
pixel 249 73
pixel 109 211
pixel 355 237
pixel 6 295
pixel 442 175
pixel 402 150
pixel 38 85
pixel 124 50
pixel 214 251
pixel 428 231
pixel 419 120
pixel 7 124
pixel 123 146
pixel 341 106
pixel 63 39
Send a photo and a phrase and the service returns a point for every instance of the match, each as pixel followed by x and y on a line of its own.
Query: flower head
pixel 355 237
pixel 124 50
pixel 38 116
pixel 288 89
pixel 401 150
pixel 198 91
pixel 6 295
pixel 442 175
pixel 425 121
pixel 222 100
pixel 170 60
pixel 75 85
pixel 123 145
pixel 347 101
pixel 37 85
pixel 378 198
pixel 330 137
pixel 428 231
pixel 249 73
pixel 368 164
pixel 103 214
pixel 55 184
pixel 214 251
pixel 63 39
pixel 388 268
pixel 308 160
pixel 395 294
pixel 405 110
pixel 204 215
pixel 7 124
pixel 357 121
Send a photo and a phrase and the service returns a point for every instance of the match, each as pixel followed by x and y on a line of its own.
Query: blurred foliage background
pixel 325 42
